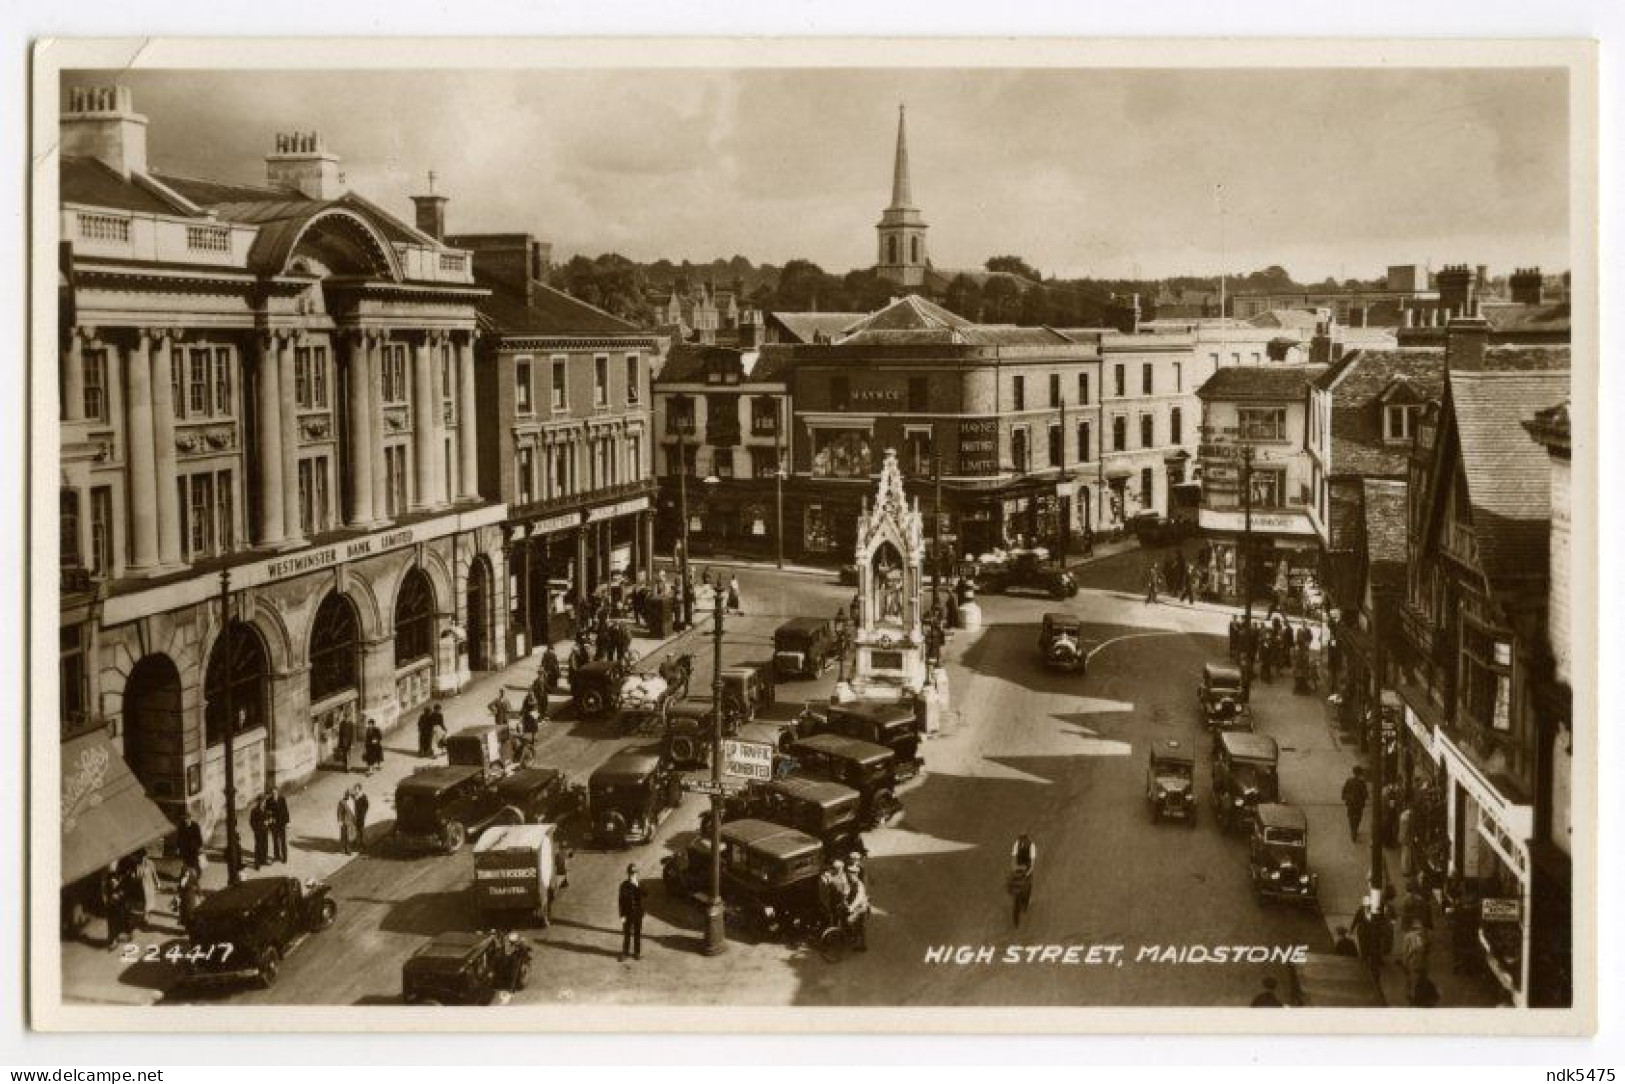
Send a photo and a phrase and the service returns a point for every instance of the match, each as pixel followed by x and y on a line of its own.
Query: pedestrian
pixel 1266 997
pixel 1187 581
pixel 361 805
pixel 1088 541
pixel 499 709
pixel 855 611
pixel 857 912
pixel 346 739
pixel 1407 842
pixel 1235 638
pixel 145 876
pixel 426 731
pixel 832 892
pixel 1425 995
pixel 1414 955
pixel 855 869
pixel 260 826
pixel 372 752
pixel 1368 936
pixel 1344 945
pixel 278 805
pixel 1153 584
pixel 438 734
pixel 733 595
pixel 1390 814
pixel 1355 793
pixel 630 905
pixel 1023 867
pixel 187 897
pixel 189 842
pixel 1415 907
pixel 346 819
pixel 115 906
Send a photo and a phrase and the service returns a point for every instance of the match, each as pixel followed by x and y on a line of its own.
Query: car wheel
pixel 683 749
pixel 521 976
pixel 453 836
pixel 270 963
pixel 887 807
pixel 591 702
pixel 326 915
pixel 507 816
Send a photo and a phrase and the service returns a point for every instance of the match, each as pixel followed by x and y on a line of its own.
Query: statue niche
pixel 890 559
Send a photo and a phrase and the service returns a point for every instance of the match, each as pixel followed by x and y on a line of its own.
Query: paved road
pixel 1059 756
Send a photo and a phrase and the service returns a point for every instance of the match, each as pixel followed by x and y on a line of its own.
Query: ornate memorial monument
pixel 889 640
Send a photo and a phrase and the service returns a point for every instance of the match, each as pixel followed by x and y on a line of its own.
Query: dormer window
pixel 1399 422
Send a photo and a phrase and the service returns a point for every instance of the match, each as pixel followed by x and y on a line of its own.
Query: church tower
pixel 902 231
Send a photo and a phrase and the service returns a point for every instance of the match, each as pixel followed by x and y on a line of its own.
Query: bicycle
pixel 835 942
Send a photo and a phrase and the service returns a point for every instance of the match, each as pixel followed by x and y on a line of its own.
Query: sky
pixel 1104 173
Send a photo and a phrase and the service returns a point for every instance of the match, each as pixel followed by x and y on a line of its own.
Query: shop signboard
pixel 1500 909
pixel 979 446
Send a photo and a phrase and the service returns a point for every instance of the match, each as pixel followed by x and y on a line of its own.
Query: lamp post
pixel 234 855
pixel 716 937
pixel 778 530
pixel 842 627
pixel 685 606
pixel 936 532
pixel 1244 565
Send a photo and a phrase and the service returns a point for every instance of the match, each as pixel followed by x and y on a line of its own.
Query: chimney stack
pixel 101 123
pixel 302 163
pixel 1464 344
pixel 1527 286
pixel 1455 286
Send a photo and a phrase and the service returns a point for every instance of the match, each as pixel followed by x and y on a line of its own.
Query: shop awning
pixel 105 812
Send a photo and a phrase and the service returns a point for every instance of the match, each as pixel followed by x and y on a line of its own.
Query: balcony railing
pixel 574 502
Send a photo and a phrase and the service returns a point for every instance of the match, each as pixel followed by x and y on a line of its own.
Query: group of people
pixel 1371 937
pixel 372 745
pixel 1274 645
pixel 268 822
pixel 129 896
pixel 843 893
pixel 352 818
pixel 1177 576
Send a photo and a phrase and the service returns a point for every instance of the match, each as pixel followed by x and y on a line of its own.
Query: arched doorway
pixel 238 666
pixel 335 670
pixel 154 729
pixel 479 613
pixel 414 640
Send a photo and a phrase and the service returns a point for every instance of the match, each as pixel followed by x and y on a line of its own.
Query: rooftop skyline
pixel 1103 173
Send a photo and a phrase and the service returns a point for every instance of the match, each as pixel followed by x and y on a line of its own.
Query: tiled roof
pixel 687 363
pixel 773 364
pixel 1507 319
pixel 92 182
pixel 550 312
pixel 1342 517
pixel 914 321
pixel 1385 517
pixel 210 193
pixel 1301 319
pixel 1261 383
pixel 1551 427
pixel 1357 384
pixel 1503 358
pixel 1508 473
pixel 807 327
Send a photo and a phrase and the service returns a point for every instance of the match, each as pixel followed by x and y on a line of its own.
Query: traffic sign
pixel 703 786
pixel 747 759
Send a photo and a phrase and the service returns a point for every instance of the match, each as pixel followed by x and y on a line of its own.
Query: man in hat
pixel 630 905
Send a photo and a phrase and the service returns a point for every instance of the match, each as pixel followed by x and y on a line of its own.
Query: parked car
pixel 1278 857
pixel 688 734
pixel 487 745
pixel 1026 570
pixel 769 875
pixel 746 690
pixel 1151 529
pixel 1245 775
pixel 1060 642
pixel 829 812
pixel 1223 698
pixel 803 647
pixel 466 968
pixel 893 724
pixel 595 687
pixel 630 794
pixel 245 930
pixel 1170 781
pixel 443 807
pixel 869 769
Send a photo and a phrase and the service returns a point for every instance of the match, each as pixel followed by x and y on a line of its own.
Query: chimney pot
pixel 101 123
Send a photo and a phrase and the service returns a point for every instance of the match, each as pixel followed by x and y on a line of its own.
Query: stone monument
pixel 889 640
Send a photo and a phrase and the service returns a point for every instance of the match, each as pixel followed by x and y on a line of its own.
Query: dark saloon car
pixel 1025 570
pixel 803 646
pixel 443 807
pixel 867 768
pixel 1170 781
pixel 893 724
pixel 1278 857
pixel 769 875
pixel 1060 642
pixel 463 968
pixel 245 930
pixel 1245 775
pixel 595 687
pixel 630 794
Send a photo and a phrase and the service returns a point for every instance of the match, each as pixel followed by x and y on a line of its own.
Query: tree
pixel 1016 266
pixel 1001 301
pixel 964 298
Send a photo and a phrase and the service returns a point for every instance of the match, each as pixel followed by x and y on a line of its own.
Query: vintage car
pixel 781 734
pixel 803 647
pixel 829 812
pixel 1244 775
pixel 688 734
pixel 465 968
pixel 1170 781
pixel 630 794
pixel 1151 529
pixel 595 687
pixel 746 690
pixel 1060 642
pixel 245 930
pixel 1223 698
pixel 769 876
pixel 442 807
pixel 867 768
pixel 1279 855
pixel 1026 570
pixel 518 869
pixel 893 724
pixel 487 745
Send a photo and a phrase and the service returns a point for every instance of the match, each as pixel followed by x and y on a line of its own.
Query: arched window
pixel 333 648
pixel 891 250
pixel 414 619
pixel 236 665
pixel 914 250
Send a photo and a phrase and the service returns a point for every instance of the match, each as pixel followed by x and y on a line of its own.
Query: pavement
pixel 1023 749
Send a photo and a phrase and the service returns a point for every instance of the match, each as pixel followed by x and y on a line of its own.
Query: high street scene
pixel 452 616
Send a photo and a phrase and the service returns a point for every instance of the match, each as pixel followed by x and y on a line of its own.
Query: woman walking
pixel 372 752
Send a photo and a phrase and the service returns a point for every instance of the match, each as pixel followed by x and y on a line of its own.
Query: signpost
pixel 704 786
pixel 747 759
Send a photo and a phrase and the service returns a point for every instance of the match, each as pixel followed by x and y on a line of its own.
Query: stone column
pixel 467 434
pixel 646 540
pixel 425 411
pixel 73 378
pixel 289 417
pixel 163 446
pixel 358 438
pixel 114 381
pixel 374 361
pixel 139 456
pixel 581 560
pixel 268 442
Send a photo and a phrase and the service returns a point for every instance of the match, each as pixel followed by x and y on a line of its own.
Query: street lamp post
pixel 936 533
pixel 778 530
pixel 685 606
pixel 234 855
pixel 716 938
pixel 1244 565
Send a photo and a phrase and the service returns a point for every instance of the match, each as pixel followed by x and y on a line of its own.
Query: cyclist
pixel 1023 861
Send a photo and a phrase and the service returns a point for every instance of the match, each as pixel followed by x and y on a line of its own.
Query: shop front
pixel 1276 561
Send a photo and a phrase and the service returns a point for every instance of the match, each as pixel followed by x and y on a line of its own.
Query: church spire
pixel 901 197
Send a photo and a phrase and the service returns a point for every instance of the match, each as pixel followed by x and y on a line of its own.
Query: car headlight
pixel 1189 797
pixel 1275 875
pixel 1304 879
pixel 1240 802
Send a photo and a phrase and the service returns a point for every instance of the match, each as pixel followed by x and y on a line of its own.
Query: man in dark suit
pixel 278 805
pixel 189 842
pixel 631 909
pixel 259 823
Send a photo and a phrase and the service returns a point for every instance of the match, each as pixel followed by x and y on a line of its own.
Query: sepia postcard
pixel 1047 536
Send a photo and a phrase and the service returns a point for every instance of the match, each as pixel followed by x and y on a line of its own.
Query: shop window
pixel 1261 423
pixel 841 453
pixel 523 403
pixel 818 534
